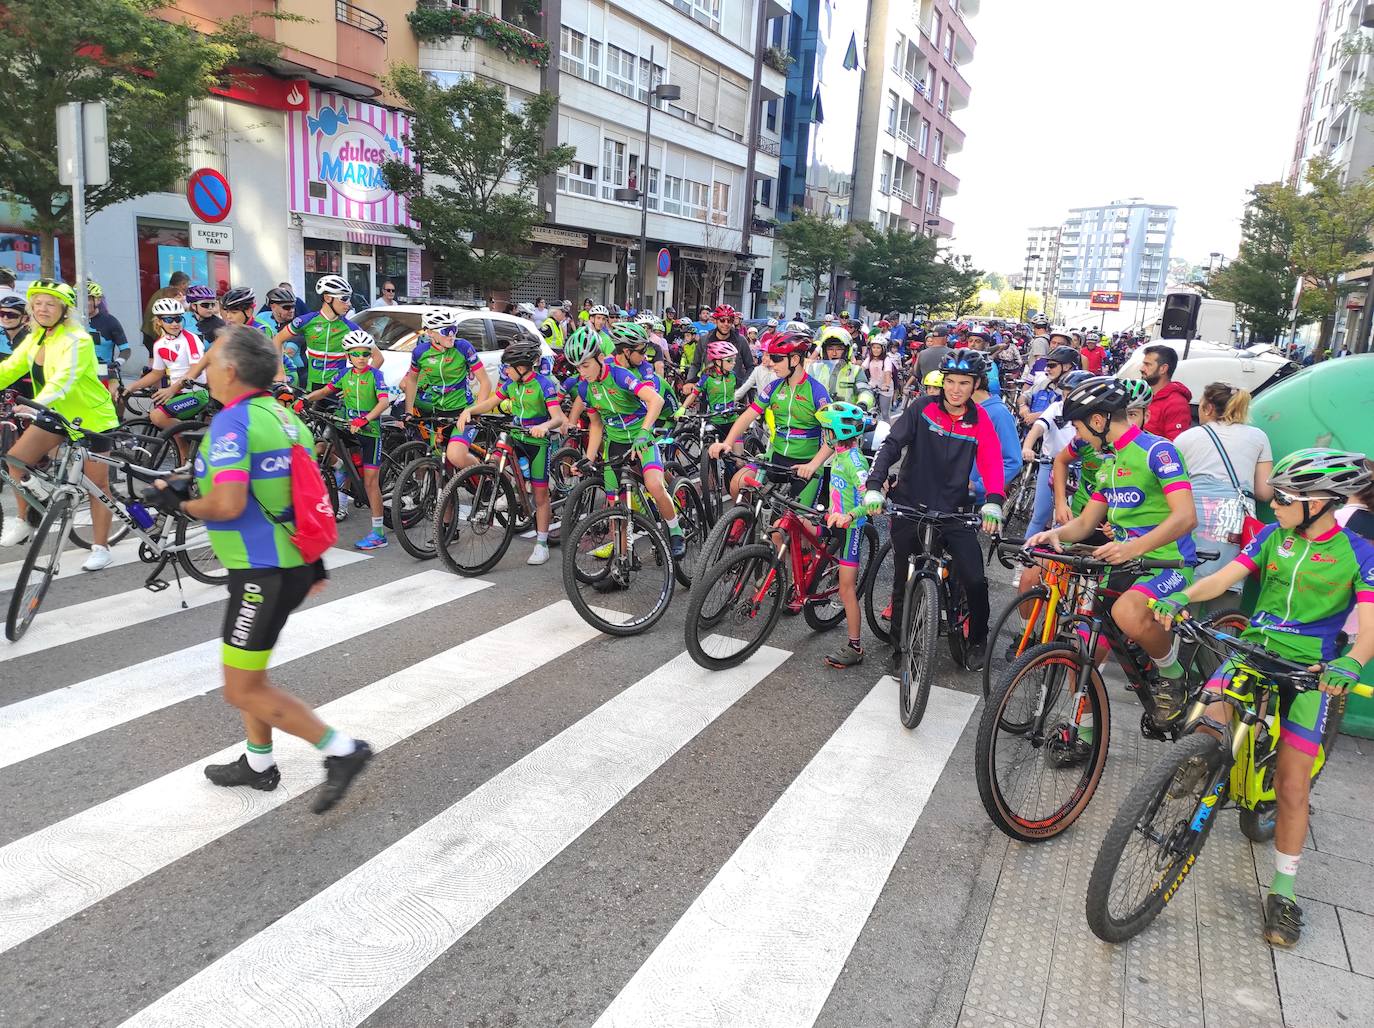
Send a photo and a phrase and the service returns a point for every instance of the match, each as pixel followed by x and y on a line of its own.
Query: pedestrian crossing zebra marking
pixel 354 945
pixel 63 869
pixel 766 940
pixel 52 719
pixel 80 621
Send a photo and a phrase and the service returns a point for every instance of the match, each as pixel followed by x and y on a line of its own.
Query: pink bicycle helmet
pixel 721 350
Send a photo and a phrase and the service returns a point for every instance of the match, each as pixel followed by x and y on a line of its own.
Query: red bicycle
pixel 737 602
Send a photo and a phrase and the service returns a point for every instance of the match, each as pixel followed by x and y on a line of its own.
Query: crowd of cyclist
pixel 966 409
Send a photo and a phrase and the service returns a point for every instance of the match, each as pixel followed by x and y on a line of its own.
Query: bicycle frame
pixel 806 552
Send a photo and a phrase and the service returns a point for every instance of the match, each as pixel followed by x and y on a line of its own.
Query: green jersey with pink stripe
pixel 1135 481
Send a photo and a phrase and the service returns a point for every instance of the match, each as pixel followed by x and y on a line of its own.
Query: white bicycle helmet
pixel 599 309
pixel 333 285
pixel 358 339
pixel 646 319
pixel 168 307
pixel 442 318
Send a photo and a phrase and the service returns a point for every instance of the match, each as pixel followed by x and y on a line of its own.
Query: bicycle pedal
pixel 156 585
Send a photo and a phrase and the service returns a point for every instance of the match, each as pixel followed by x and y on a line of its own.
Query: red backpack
pixel 316 529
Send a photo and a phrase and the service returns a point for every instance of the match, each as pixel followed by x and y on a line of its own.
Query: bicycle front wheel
pixel 1013 634
pixel 617 571
pixel 733 529
pixel 878 594
pixel 920 636
pixel 40 566
pixel 735 606
pixel 1155 838
pixel 412 505
pixel 692 520
pixel 474 520
pixel 1041 751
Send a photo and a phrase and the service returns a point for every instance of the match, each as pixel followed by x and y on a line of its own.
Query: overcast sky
pixel 1183 102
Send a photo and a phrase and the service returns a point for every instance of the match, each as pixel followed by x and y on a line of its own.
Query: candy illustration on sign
pixel 328 121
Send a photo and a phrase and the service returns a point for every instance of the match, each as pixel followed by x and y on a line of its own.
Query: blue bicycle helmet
pixel 964 362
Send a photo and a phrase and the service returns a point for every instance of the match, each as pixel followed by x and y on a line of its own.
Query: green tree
pixel 995 280
pixel 959 284
pixel 895 270
pixel 473 193
pixel 814 245
pixel 1260 281
pixel 51 54
pixel 1331 223
pixel 1009 304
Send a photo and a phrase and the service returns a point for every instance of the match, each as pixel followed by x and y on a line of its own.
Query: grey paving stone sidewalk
pixel 1039 966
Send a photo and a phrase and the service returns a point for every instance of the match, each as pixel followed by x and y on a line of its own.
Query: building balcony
pixel 501 26
pixel 772 83
pixel 954 138
pixel 963 47
pixel 959 91
pixel 967 8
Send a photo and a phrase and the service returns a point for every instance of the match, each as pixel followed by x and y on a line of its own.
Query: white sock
pixel 97 548
pixel 379 525
pixel 259 757
pixel 542 538
pixel 1286 863
pixel 672 525
pixel 336 744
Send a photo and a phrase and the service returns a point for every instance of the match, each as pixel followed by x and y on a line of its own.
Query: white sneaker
pixel 16 531
pixel 99 560
pixel 540 554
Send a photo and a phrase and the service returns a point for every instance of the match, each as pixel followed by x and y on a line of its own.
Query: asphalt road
pixel 561 829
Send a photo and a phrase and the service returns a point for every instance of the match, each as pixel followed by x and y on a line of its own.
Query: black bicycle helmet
pixel 13 302
pixel 1063 355
pixel 239 298
pixel 280 294
pixel 1100 394
pixel 964 362
pixel 526 352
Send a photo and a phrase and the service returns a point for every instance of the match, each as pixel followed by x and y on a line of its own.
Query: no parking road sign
pixel 207 191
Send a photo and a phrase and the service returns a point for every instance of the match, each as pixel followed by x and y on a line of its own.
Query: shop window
pixel 322 257
pixel 164 247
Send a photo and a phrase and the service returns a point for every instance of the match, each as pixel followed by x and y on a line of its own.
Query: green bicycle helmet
pixel 846 420
pixel 627 335
pixel 583 343
pixel 1317 473
pixel 1139 392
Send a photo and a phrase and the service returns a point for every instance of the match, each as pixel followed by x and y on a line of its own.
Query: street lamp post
pixel 662 91
pixel 1025 281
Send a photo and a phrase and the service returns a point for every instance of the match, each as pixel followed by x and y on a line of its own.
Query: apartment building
pixel 913 86
pixel 1120 247
pixel 1041 268
pixel 1331 125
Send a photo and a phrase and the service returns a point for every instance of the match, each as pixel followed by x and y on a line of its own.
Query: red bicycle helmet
pixel 723 311
pixel 786 343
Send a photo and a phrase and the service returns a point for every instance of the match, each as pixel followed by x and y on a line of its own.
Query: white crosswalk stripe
pixel 764 942
pixel 426 891
pixel 41 723
pixel 78 621
pixel 54 873
pixel 125 552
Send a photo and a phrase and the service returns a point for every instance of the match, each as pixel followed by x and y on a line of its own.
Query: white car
pixel 397 331
pixel 1252 368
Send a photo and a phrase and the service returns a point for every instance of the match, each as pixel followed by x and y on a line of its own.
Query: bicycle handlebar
pixel 1299 675
pixel 967 519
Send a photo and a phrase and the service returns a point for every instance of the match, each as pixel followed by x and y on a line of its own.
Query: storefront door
pixel 360 273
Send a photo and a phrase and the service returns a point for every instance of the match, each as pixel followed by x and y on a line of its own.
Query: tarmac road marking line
pixel 357 943
pixel 765 941
pixel 62 716
pixel 80 621
pixel 54 873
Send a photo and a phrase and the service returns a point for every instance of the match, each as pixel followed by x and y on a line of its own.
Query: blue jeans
pixel 1043 511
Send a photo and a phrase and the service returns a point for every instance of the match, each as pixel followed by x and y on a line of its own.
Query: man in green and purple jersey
pixel 243 473
pixel 1144 495
pixel 323 332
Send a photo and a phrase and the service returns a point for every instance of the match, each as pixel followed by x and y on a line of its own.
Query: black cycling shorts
pixel 260 601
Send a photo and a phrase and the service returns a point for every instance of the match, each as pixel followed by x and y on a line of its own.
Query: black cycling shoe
pixel 339 775
pixel 976 655
pixel 677 545
pixel 1064 748
pixel 1170 697
pixel 1282 921
pixel 239 773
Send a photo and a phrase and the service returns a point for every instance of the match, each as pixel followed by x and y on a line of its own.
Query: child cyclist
pixel 365 399
pixel 535 410
pixel 716 388
pixel 842 430
pixel 1311 573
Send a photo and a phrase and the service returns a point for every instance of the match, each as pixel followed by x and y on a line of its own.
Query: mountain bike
pixel 736 605
pixel 341 464
pixel 1045 728
pixel 620 554
pixel 421 480
pixel 1158 834
pixel 744 523
pixel 932 605
pixel 483 507
pixel 56 492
